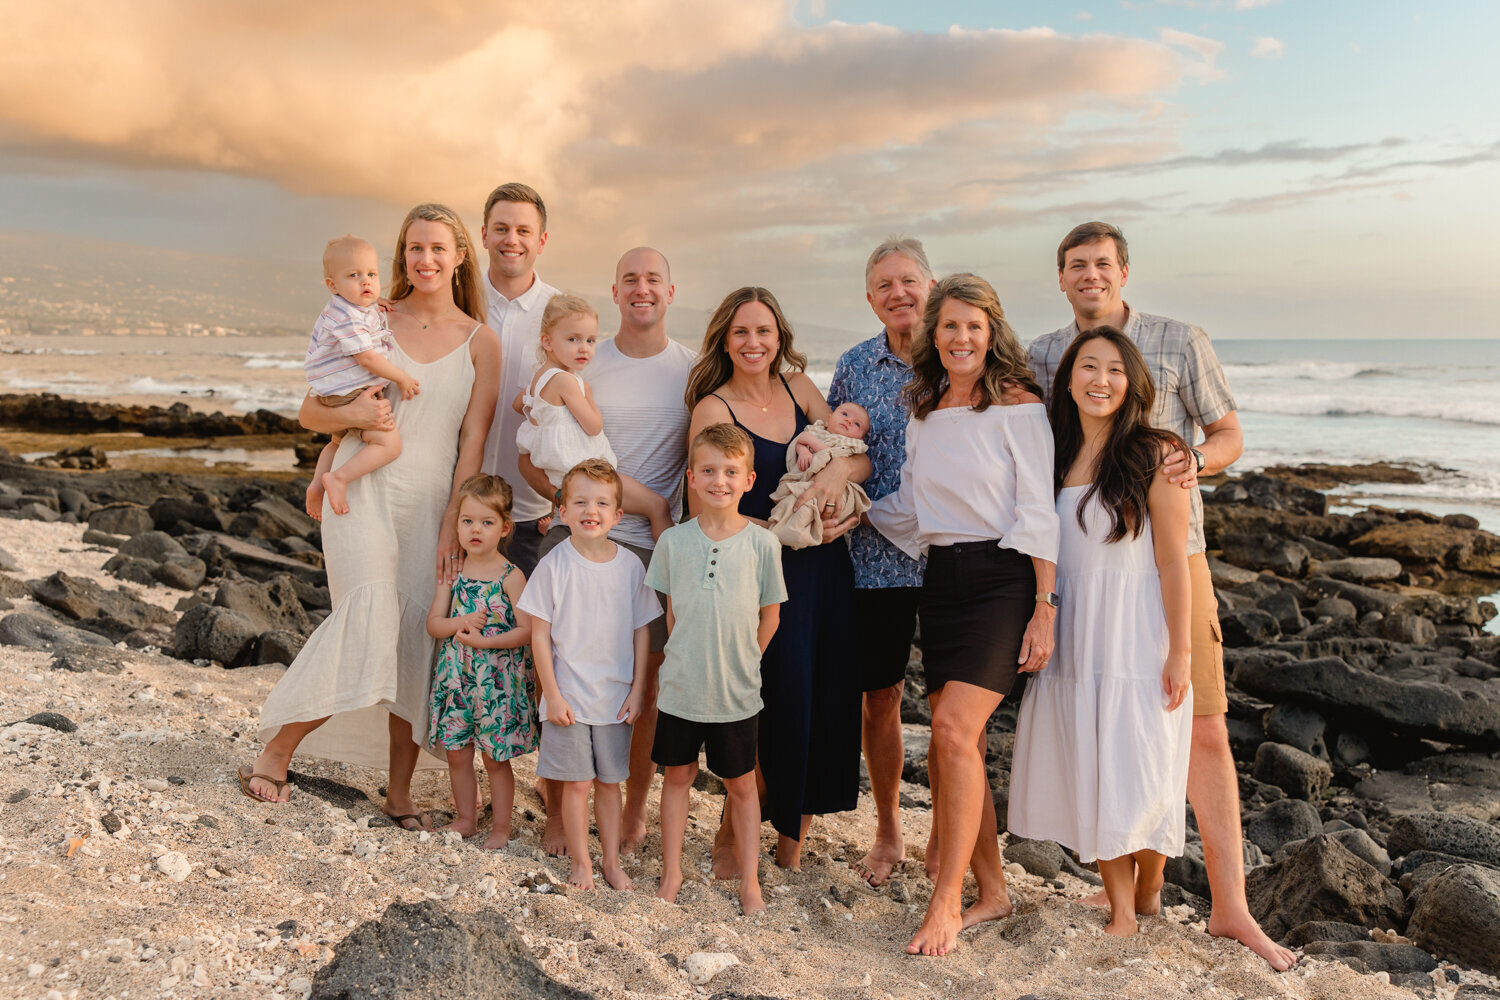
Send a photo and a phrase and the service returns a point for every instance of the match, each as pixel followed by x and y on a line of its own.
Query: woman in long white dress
pixel 358 690
pixel 1102 742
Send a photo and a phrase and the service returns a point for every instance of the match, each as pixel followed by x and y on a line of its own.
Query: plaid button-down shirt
pixel 1191 391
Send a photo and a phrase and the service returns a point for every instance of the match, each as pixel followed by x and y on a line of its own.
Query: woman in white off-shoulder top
pixel 976 498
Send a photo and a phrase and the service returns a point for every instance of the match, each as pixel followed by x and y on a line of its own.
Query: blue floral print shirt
pixel 870 375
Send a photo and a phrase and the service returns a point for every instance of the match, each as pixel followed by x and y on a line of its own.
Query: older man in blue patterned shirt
pixel 874 374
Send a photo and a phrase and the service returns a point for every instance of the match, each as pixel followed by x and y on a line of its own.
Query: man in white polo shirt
pixel 639 378
pixel 514 233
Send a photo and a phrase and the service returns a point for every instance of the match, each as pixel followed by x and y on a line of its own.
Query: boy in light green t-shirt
pixel 721 575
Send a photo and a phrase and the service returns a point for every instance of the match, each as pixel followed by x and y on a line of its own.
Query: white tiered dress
pixel 1100 765
pixel 372 655
pixel 557 442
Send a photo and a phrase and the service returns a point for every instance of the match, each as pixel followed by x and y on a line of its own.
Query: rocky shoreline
pixel 143 616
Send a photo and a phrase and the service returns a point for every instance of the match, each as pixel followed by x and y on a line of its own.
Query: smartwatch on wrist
pixel 1199 456
pixel 1047 597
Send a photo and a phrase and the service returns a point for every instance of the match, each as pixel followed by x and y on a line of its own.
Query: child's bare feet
pixel 335 490
pixel 982 909
pixel 671 882
pixel 751 900
pixel 1121 924
pixel 635 836
pixel 315 498
pixel 617 878
pixel 581 875
pixel 553 840
pixel 498 838
pixel 463 827
pixel 1147 897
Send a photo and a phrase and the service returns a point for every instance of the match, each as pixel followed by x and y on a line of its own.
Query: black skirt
pixel 977 598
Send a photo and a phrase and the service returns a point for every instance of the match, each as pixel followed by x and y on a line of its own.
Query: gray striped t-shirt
pixel 646 421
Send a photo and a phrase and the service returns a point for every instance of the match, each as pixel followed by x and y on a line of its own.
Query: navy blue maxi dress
pixel 810 725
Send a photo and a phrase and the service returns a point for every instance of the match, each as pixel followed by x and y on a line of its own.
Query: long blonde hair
pixel 468 295
pixel 714 367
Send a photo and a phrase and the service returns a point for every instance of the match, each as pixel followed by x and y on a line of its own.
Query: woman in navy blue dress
pixel 749 374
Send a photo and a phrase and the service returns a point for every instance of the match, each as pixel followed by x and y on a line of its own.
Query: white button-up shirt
pixel 518 321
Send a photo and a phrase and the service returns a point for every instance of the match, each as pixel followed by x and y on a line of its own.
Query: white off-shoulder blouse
pixel 971 476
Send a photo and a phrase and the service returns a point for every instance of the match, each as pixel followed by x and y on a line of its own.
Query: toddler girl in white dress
pixel 563 424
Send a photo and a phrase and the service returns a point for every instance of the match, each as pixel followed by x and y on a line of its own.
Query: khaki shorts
pixel 344 400
pixel 1209 697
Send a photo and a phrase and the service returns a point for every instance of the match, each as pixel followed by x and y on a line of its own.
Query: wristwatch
pixel 1047 597
pixel 1199 456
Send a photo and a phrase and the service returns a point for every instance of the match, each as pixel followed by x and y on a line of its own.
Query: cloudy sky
pixel 1303 168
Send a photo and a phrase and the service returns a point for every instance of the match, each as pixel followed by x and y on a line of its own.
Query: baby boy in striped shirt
pixel 350 351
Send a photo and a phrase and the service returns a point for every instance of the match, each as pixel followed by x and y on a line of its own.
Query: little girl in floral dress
pixel 484 685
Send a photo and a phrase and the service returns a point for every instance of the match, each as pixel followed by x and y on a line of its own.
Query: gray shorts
pixel 658 628
pixel 582 752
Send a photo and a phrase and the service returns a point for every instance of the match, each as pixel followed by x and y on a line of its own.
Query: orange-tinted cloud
pixel 404 102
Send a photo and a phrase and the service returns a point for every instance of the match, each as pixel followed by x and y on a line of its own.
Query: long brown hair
pixel 714 367
pixel 1004 360
pixel 467 292
pixel 1128 461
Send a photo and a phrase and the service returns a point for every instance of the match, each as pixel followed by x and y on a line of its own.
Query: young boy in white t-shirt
pixel 722 577
pixel 590 609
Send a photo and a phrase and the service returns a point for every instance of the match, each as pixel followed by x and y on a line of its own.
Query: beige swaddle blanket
pixel 803 527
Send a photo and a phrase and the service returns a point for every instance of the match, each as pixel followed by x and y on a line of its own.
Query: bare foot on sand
pixel 463 827
pixel 335 490
pixel 581 874
pixel 726 864
pixel 498 838
pixel 788 853
pixel 987 909
pixel 671 882
pixel 1148 898
pixel 930 859
pixel 553 841
pixel 633 838
pixel 617 878
pixel 1248 933
pixel 1098 900
pixel 876 867
pixel 938 933
pixel 1121 924
pixel 751 900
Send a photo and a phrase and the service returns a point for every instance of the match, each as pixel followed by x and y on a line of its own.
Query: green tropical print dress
pixel 484 697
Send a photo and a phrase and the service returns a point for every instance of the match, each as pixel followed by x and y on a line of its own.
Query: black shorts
pixel 885 620
pixel 977 598
pixel 731 745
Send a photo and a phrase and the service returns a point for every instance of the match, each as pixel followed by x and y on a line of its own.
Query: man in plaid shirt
pixel 1192 395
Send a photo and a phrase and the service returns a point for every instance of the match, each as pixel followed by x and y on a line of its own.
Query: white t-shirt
pixel 594 609
pixel 518 322
pixel 646 420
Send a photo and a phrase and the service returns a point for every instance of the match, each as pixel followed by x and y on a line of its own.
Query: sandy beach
pixel 131 865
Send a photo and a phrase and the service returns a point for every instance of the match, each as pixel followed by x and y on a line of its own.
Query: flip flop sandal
pixel 246 776
pixel 401 820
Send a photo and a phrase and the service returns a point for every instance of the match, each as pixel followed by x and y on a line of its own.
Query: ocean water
pixel 1433 404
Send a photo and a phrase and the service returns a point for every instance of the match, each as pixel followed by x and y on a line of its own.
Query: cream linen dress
pixel 372 655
